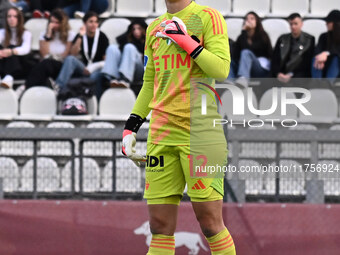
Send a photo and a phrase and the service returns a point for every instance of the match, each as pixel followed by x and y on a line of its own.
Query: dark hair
pixel 89 15
pixel 134 22
pixel 260 33
pixel 61 16
pixel 334 35
pixel 294 16
pixel 20 28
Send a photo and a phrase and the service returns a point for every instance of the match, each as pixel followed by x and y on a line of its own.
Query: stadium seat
pixel 56 148
pixel 116 104
pixel 253 179
pixel 223 6
pixel 114 27
pixel 9 173
pixel 36 27
pixel 8 104
pixel 331 178
pixel 234 27
pixel 75 25
pixel 19 148
pixel 160 8
pixel 128 176
pixel 314 27
pixel 91 176
pixel 141 8
pixel 323 106
pixel 110 10
pixel 227 106
pixel 292 183
pixel 320 8
pixel 48 175
pixel 149 20
pixel 275 28
pixel 266 103
pixel 38 103
pixel 242 7
pixel 285 8
pixel 96 148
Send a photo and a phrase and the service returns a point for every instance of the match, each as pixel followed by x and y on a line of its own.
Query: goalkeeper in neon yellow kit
pixel 187 43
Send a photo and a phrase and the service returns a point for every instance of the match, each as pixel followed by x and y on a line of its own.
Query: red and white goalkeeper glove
pixel 176 31
pixel 129 139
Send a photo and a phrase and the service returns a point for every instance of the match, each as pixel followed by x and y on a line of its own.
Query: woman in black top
pixel 253 50
pixel 326 61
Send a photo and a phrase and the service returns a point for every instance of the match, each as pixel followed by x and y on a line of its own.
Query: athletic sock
pixel 162 245
pixel 221 243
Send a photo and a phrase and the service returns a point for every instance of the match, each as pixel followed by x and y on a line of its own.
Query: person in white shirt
pixel 55 45
pixel 15 45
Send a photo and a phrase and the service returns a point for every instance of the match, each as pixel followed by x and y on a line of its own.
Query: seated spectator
pixel 42 8
pixel 15 45
pixel 78 8
pixel 326 61
pixel 92 44
pixel 253 50
pixel 124 65
pixel 55 45
pixel 293 52
pixel 22 5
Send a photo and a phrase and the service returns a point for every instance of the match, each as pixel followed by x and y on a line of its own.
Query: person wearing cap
pixel 124 64
pixel 327 53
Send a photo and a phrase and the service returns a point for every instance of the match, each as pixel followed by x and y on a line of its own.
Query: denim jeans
pixel 332 71
pixel 98 6
pixel 128 63
pixel 233 70
pixel 249 66
pixel 73 67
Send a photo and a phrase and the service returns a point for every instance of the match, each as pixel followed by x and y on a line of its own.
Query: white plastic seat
pixel 114 27
pixel 314 27
pixel 227 108
pixel 330 177
pixel 38 103
pixel 234 27
pixel 128 176
pixel 8 104
pixel 48 175
pixel 75 24
pixel 223 6
pixel 323 106
pixel 242 7
pixel 9 172
pixel 141 8
pixel 116 104
pixel 266 102
pixel 56 148
pixel 320 8
pixel 24 148
pixel 36 27
pixel 110 10
pixel 275 28
pixel 284 8
pixel 160 8
pixel 91 176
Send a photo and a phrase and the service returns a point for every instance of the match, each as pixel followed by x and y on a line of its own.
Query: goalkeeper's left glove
pixel 176 31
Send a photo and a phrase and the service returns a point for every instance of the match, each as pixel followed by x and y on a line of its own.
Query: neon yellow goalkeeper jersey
pixel 169 71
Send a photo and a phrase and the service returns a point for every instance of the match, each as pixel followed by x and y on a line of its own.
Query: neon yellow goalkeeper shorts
pixel 170 168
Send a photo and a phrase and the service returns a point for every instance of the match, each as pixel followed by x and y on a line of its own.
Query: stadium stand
pixel 9 172
pixel 287 7
pixel 234 27
pixel 320 8
pixel 331 179
pixel 8 104
pixel 292 183
pixel 114 27
pixel 36 27
pixel 140 8
pixel 160 8
pixel 314 27
pixel 242 7
pixel 275 28
pixel 75 25
pixel 223 6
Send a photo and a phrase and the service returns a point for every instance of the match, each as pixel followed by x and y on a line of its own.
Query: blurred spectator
pixel 78 8
pixel 15 45
pixel 253 50
pixel 233 64
pixel 55 46
pixel 4 5
pixel 42 8
pixel 91 44
pixel 124 65
pixel 326 61
pixel 293 52
pixel 22 5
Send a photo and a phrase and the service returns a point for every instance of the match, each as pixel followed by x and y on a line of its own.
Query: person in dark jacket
pixel 293 52
pixel 327 53
pixel 253 50
pixel 124 64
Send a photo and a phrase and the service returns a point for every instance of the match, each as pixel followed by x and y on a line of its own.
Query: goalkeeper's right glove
pixel 132 126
